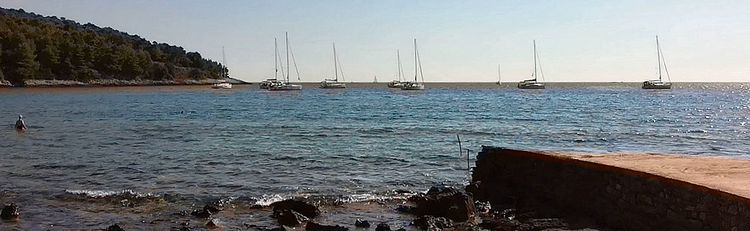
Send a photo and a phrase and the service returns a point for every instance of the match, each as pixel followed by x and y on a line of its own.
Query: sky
pixel 459 41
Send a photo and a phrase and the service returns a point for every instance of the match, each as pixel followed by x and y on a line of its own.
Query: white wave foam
pixel 267 200
pixel 103 193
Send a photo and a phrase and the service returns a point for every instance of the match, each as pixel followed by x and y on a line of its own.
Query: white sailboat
pixel 334 83
pixel 533 83
pixel 416 85
pixel 397 83
pixel 223 84
pixel 658 84
pixel 268 82
pixel 285 85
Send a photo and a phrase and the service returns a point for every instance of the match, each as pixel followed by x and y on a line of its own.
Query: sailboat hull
pixel 395 84
pixel 530 85
pixel 412 86
pixel 656 85
pixel 328 84
pixel 285 87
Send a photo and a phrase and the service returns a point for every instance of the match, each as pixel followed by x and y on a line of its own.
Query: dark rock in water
pixel 289 217
pixel 383 227
pixel 401 229
pixel 362 223
pixel 531 224
pixel 114 227
pixel 547 223
pixel 9 212
pixel 312 226
pixel 301 207
pixel 202 213
pixel 433 223
pixel 212 224
pixel 445 202
pixel 212 208
pixel 264 228
pixel 406 209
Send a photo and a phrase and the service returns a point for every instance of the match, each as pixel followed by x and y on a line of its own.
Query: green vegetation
pixel 37 47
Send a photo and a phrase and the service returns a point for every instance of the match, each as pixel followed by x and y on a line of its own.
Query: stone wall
pixel 602 195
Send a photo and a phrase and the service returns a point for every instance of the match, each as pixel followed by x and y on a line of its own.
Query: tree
pixel 2 77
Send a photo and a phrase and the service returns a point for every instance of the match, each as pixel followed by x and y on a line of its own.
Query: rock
pixel 9 212
pixel 202 213
pixel 445 202
pixel 114 227
pixel 264 228
pixel 312 226
pixel 433 223
pixel 362 223
pixel 212 208
pixel 401 229
pixel 406 209
pixel 383 227
pixel 289 217
pixel 212 224
pixel 301 207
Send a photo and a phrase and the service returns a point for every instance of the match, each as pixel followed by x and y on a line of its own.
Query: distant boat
pixel 416 85
pixel 375 79
pixel 658 84
pixel 285 85
pixel 397 83
pixel 222 84
pixel 498 76
pixel 533 83
pixel 268 82
pixel 334 83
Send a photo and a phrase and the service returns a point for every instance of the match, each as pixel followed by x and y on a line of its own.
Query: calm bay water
pixel 362 142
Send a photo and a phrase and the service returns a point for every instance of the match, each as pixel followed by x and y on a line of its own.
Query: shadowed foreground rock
pixel 444 202
pixel 312 226
pixel 362 223
pixel 289 217
pixel 308 210
pixel 114 227
pixel 428 222
pixel 9 212
pixel 383 227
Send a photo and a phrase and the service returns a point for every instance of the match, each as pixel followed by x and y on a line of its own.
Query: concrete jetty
pixel 619 191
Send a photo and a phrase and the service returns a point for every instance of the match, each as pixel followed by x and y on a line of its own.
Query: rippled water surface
pixel 345 144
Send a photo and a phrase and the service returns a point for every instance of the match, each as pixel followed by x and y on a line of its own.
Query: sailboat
pixel 658 84
pixel 222 84
pixel 397 83
pixel 268 82
pixel 285 85
pixel 416 85
pixel 498 76
pixel 532 83
pixel 334 83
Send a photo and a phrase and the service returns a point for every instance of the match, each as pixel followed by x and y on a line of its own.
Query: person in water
pixel 20 125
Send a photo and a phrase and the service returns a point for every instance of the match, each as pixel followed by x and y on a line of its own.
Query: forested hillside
pixel 34 47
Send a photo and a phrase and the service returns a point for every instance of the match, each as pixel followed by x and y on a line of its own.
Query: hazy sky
pixel 596 40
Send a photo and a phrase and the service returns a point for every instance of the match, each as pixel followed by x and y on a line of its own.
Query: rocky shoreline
pixel 440 208
pixel 114 83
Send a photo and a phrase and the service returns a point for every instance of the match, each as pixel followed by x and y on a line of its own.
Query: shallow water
pixel 355 144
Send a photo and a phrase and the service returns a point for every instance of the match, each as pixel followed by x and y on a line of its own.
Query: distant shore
pixel 114 83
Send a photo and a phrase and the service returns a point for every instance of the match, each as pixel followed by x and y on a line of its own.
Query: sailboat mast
pixel 335 65
pixel 499 78
pixel 223 63
pixel 535 74
pixel 275 59
pixel 416 67
pixel 658 56
pixel 286 38
pixel 400 70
